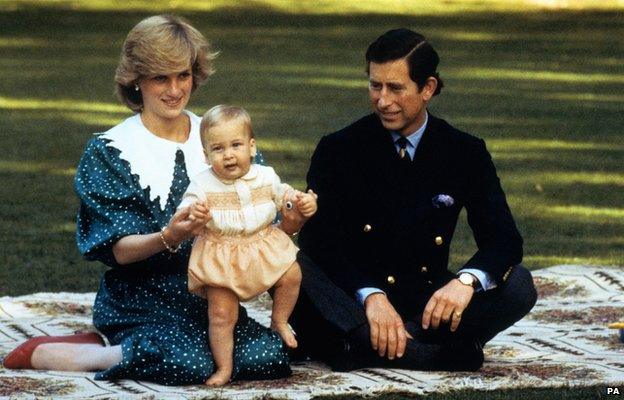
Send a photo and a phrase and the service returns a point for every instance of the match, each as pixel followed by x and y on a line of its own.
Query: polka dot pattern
pixel 146 307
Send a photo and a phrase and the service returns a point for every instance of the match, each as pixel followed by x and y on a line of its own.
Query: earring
pixel 136 87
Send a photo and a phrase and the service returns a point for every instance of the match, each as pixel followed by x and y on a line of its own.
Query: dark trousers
pixel 325 315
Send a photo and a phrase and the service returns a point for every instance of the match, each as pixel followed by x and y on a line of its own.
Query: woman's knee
pixel 271 363
pixel 187 361
pixel 259 353
pixel 178 372
pixel 164 355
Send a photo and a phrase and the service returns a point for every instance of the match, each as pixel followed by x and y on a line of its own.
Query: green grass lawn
pixel 545 89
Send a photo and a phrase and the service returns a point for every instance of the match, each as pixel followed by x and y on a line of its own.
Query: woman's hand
pixel 186 223
pixel 199 212
pixel 133 248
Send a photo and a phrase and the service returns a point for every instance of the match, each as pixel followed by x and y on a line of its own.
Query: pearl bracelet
pixel 169 248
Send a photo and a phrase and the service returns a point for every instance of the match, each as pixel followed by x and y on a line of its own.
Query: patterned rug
pixel 563 342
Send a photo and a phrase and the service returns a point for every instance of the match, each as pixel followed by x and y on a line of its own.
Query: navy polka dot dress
pixel 145 307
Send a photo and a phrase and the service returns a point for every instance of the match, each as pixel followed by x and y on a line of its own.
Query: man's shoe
pixel 341 361
pixel 463 355
pixel 350 357
pixel 20 357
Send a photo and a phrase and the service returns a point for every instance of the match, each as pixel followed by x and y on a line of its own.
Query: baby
pixel 241 253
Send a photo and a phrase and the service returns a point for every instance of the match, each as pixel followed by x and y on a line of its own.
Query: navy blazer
pixel 377 225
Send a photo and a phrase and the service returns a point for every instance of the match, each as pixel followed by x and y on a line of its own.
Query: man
pixel 376 289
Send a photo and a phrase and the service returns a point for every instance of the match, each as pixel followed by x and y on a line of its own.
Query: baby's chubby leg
pixel 284 299
pixel 222 317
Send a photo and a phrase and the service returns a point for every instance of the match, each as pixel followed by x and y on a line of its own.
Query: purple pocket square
pixel 442 200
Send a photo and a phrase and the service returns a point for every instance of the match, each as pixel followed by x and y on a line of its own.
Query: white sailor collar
pixel 152 158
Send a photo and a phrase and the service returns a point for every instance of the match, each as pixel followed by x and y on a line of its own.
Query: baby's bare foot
pixel 219 378
pixel 286 333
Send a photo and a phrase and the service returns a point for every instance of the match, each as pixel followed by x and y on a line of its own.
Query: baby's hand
pixel 306 203
pixel 199 212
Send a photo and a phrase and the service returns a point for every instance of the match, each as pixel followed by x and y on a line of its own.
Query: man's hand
pixel 387 333
pixel 447 304
pixel 306 203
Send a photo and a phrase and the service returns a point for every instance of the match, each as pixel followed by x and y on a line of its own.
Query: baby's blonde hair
pixel 220 114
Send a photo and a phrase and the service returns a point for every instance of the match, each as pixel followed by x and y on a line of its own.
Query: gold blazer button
pixel 424 270
pixel 367 228
pixel 439 241
pixel 390 279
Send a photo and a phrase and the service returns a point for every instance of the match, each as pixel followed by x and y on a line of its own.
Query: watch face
pixel 466 279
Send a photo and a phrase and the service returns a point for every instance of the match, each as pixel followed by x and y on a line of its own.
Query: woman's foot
pixel 283 329
pixel 220 377
pixel 72 357
pixel 21 357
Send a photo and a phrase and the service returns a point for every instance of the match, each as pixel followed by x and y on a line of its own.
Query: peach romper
pixel 240 249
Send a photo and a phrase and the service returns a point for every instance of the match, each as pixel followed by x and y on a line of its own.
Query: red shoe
pixel 20 357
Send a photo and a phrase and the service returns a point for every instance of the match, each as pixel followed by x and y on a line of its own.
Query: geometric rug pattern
pixel 564 341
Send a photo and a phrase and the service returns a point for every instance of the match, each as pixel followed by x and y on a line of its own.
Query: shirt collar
pixel 249 176
pixel 414 137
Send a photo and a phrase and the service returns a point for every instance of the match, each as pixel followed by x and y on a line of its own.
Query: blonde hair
pixel 161 45
pixel 220 114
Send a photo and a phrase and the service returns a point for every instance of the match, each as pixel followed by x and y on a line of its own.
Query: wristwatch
pixel 469 280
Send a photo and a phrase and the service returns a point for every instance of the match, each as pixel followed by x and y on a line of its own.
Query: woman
pixel 130 180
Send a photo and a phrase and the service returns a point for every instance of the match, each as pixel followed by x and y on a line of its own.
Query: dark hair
pixel 422 59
